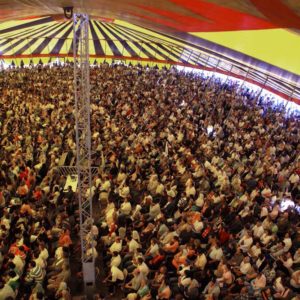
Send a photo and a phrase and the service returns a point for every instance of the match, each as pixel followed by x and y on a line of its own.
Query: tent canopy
pixel 240 33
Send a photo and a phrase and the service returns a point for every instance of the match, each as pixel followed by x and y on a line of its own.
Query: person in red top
pixel 173 246
pixel 30 179
pixel 37 195
pixel 22 189
pixel 20 250
pixel 24 173
pixel 65 239
pixel 223 235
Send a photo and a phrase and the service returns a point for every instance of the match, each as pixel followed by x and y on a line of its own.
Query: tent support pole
pixel 83 143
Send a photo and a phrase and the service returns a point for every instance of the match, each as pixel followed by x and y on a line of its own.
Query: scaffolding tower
pixel 83 143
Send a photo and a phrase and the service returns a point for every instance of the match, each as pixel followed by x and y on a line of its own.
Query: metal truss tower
pixel 83 142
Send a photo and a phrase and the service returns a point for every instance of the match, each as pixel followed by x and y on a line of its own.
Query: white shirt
pixel 154 250
pixel 44 254
pixel 19 263
pixel 245 243
pixel 294 178
pixel 116 247
pixel 245 267
pixel 133 245
pixel 258 231
pixel 201 261
pixel 264 212
pixel 92 252
pixel 59 253
pixel 160 189
pixel 116 274
pixel 288 263
pixel 115 261
pixel 154 210
pixel 287 244
pixel 260 282
pixel 265 238
pixel 266 192
pixel 126 208
pixel 6 292
pixel 124 191
pixel 94 231
pixel 216 254
pixel 190 191
pixel 185 281
pixel 105 186
pixel 40 262
pixel 200 200
pixel 198 226
pixel 143 269
pixel 255 251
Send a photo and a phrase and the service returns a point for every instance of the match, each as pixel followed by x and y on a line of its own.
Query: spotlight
pixel 68 12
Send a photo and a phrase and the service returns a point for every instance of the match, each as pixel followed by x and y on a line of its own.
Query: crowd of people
pixel 198 185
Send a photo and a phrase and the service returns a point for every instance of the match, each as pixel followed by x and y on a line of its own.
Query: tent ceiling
pixel 170 15
pixel 195 22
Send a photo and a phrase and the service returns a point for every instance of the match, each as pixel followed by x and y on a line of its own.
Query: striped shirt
pixel 37 274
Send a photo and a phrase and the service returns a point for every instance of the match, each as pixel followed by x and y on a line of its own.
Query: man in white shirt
pixel 116 274
pixel 216 253
pixel 125 207
pixel 44 254
pixel 197 226
pixel 245 266
pixel 116 246
pixel 287 242
pixel 115 260
pixel 133 245
pixel 255 250
pixel 245 242
pixel 294 178
pixel 6 291
pixel 19 263
pixel 201 261
pixel 142 267
pixel 258 230
pixel 259 282
pixel 154 211
pixel 39 261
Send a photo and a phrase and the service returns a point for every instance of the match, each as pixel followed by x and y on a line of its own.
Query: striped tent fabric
pixel 47 37
pixel 44 39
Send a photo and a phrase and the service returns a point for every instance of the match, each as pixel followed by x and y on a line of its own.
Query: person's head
pixel 175 238
pixel 163 269
pixel 11 256
pixel 12 273
pixel 246 259
pixel 39 295
pixel 11 265
pixel 188 273
pixel 153 241
pixel 41 245
pixel 140 260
